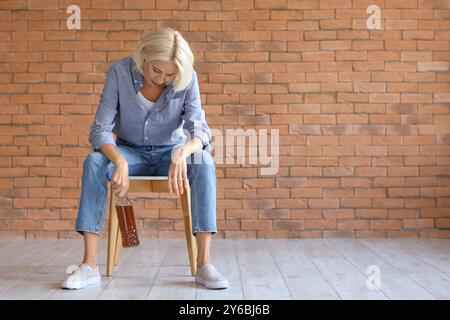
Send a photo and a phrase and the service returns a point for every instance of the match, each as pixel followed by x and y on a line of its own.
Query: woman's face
pixel 159 73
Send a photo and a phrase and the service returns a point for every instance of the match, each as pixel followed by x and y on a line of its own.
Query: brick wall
pixel 363 115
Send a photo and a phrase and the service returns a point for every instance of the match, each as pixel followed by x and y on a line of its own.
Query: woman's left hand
pixel 178 171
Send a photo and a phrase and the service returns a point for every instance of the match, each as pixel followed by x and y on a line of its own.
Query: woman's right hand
pixel 120 181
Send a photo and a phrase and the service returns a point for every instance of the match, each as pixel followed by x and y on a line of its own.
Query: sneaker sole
pixel 212 285
pixel 81 284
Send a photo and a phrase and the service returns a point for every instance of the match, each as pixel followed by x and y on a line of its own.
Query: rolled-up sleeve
pixel 101 129
pixel 194 115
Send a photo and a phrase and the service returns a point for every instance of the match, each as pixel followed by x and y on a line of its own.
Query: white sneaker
pixel 81 278
pixel 210 277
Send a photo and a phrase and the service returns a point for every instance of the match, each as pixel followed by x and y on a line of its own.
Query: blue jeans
pixel 146 161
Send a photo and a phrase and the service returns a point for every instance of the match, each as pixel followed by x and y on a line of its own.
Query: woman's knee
pixel 202 157
pixel 95 159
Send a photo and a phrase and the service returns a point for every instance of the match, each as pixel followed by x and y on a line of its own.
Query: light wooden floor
pixel 256 269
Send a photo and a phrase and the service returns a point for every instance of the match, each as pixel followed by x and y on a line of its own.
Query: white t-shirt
pixel 143 101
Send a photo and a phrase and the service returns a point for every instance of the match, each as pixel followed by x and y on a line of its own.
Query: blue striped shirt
pixel 175 117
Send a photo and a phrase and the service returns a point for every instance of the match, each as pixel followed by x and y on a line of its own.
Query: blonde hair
pixel 167 44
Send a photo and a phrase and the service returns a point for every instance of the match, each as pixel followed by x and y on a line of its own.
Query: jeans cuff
pixel 81 231
pixel 196 231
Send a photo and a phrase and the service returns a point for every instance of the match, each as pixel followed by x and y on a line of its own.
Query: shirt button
pixel 135 81
pixel 145 138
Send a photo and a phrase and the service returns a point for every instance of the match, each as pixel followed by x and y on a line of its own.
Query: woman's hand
pixel 120 180
pixel 178 171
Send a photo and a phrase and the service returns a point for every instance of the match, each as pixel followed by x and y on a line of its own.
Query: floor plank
pixel 257 269
pixel 131 282
pixel 394 283
pixel 174 280
pixel 414 267
pixel 261 279
pixel 346 279
pixel 302 277
pixel 433 253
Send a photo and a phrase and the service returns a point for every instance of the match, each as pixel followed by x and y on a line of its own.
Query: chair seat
pixel 149 184
pixel 148 178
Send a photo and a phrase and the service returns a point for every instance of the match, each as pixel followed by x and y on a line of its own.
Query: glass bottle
pixel 127 222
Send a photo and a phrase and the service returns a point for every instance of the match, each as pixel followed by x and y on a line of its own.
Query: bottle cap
pixel 124 201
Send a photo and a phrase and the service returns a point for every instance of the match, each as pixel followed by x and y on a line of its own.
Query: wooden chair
pixel 148 184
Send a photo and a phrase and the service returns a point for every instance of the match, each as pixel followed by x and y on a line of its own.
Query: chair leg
pixel 118 246
pixel 190 239
pixel 112 235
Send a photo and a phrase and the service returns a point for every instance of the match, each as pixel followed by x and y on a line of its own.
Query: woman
pixel 147 101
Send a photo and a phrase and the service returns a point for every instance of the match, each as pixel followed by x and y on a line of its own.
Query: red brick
pixel 363 115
